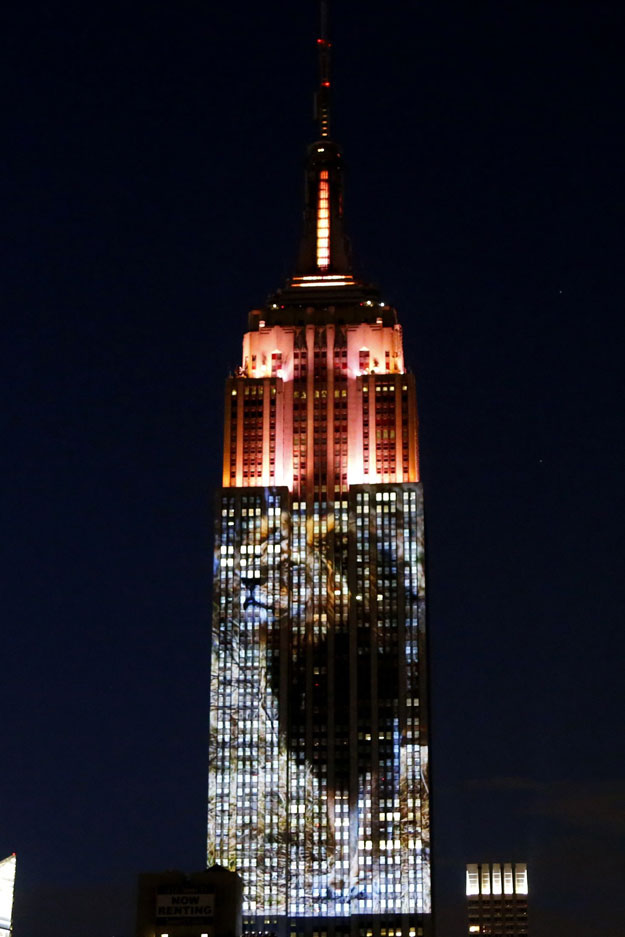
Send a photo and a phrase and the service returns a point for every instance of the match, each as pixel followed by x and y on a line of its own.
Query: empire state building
pixel 318 777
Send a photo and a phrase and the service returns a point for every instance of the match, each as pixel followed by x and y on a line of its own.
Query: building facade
pixel 7 886
pixel 203 904
pixel 318 778
pixel 497 898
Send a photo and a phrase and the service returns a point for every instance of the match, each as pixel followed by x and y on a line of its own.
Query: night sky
pixel 152 190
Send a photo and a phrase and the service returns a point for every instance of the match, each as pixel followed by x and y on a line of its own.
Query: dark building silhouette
pixel 204 904
pixel 497 899
pixel 318 784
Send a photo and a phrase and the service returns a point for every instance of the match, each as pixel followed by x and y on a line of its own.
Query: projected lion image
pixel 276 644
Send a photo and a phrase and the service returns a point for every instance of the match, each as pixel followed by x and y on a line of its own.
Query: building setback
pixel 318 779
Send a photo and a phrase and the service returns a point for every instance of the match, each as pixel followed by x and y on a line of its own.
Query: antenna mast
pixel 322 98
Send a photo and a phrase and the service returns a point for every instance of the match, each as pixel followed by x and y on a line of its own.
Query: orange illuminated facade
pixel 318 778
pixel 331 402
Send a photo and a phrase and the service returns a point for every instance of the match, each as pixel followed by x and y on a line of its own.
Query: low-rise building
pixel 497 899
pixel 203 904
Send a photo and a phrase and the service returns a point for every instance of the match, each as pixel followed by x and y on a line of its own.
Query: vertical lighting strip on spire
pixel 323 221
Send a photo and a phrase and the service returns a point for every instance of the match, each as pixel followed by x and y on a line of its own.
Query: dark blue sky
pixel 152 193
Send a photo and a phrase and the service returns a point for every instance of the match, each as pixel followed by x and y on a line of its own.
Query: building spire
pixel 323 275
pixel 324 249
pixel 322 97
